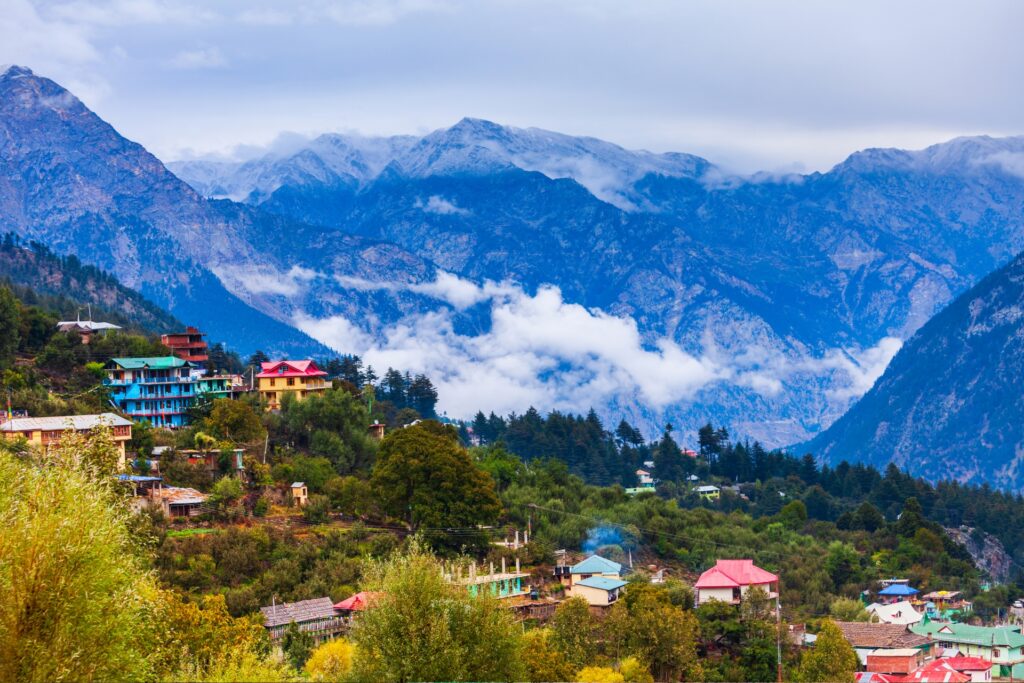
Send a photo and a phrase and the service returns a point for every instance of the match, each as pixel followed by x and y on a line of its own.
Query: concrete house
pixel 729 580
pixel 43 432
pixel 595 565
pixel 598 591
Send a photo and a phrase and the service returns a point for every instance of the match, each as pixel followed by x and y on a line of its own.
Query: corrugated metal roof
pixel 153 363
pixel 182 496
pixel 602 582
pixel 595 564
pixel 69 325
pixel 63 422
pixel 304 610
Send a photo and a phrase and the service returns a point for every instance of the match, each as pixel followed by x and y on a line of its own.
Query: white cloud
pixel 265 279
pixel 1010 162
pixel 543 351
pixel 438 204
pixel 200 58
pixel 132 12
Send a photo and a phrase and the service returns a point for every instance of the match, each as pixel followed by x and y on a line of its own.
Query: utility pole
pixel 778 639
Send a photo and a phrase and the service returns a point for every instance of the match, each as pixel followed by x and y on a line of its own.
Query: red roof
pixel 358 602
pixel 734 573
pixel 938 671
pixel 968 663
pixel 290 368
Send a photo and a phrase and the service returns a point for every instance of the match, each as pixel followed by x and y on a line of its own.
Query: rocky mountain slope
pixel 70 181
pixel 521 267
pixel 796 289
pixel 949 405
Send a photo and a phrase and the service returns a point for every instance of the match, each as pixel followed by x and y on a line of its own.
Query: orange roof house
pixel 729 580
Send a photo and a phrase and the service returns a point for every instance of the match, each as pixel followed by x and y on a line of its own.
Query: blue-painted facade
pixel 158 390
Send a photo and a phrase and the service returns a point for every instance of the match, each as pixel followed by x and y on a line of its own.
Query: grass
pixel 180 533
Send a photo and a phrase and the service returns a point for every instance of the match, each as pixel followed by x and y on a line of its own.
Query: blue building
pixel 159 390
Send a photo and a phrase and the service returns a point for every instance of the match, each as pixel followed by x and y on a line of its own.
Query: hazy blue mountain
pixel 792 280
pixel 71 182
pixel 683 293
pixel 949 405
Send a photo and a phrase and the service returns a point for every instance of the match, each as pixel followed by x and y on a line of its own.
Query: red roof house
pixel 358 602
pixel 937 671
pixel 978 669
pixel 290 368
pixel 729 580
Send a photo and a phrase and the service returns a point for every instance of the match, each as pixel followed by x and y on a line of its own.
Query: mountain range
pixel 521 266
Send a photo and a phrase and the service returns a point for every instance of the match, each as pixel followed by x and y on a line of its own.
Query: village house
pixel 317 617
pixel 896 590
pixel 595 565
pixel 502 584
pixel 85 328
pixel 300 494
pixel 729 580
pixel 188 345
pixel 945 605
pixel 299 378
pixel 180 501
pixel 359 602
pixel 708 492
pixel 1000 645
pixel 159 390
pixel 869 638
pixel 894 660
pixel 598 591
pixel 44 432
pixel 895 613
pixel 645 481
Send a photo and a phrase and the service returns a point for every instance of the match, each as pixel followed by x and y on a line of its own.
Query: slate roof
pixel 602 582
pixel 888 636
pixel 63 423
pixel 175 495
pixel 595 564
pixel 299 612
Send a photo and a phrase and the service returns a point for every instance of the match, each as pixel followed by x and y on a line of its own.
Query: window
pixel 273 381
pixel 291 381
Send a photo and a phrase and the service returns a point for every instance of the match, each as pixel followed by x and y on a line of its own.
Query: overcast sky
pixel 752 85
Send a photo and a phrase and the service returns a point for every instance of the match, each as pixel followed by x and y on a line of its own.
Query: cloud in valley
pixel 543 351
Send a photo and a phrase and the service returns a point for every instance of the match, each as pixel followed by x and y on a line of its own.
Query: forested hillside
pixel 66 286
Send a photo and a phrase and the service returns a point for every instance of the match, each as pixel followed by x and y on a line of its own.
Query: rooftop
pixel 734 573
pixel 898 589
pixel 901 612
pixel 304 610
pixel 359 601
pixel 175 495
pixel 91 326
pixel 151 363
pixel 602 582
pixel 290 368
pixel 595 564
pixel 63 422
pixel 889 636
pixel 1007 636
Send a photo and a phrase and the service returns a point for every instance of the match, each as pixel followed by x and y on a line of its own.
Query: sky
pixel 751 85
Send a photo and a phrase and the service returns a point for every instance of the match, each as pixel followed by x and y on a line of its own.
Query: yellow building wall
pixel 273 389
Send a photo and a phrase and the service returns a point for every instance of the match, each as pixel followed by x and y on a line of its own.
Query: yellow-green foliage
pixel 541 659
pixel 831 660
pixel 332 661
pixel 240 667
pixel 599 674
pixel 73 588
pixel 634 671
pixel 425 628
